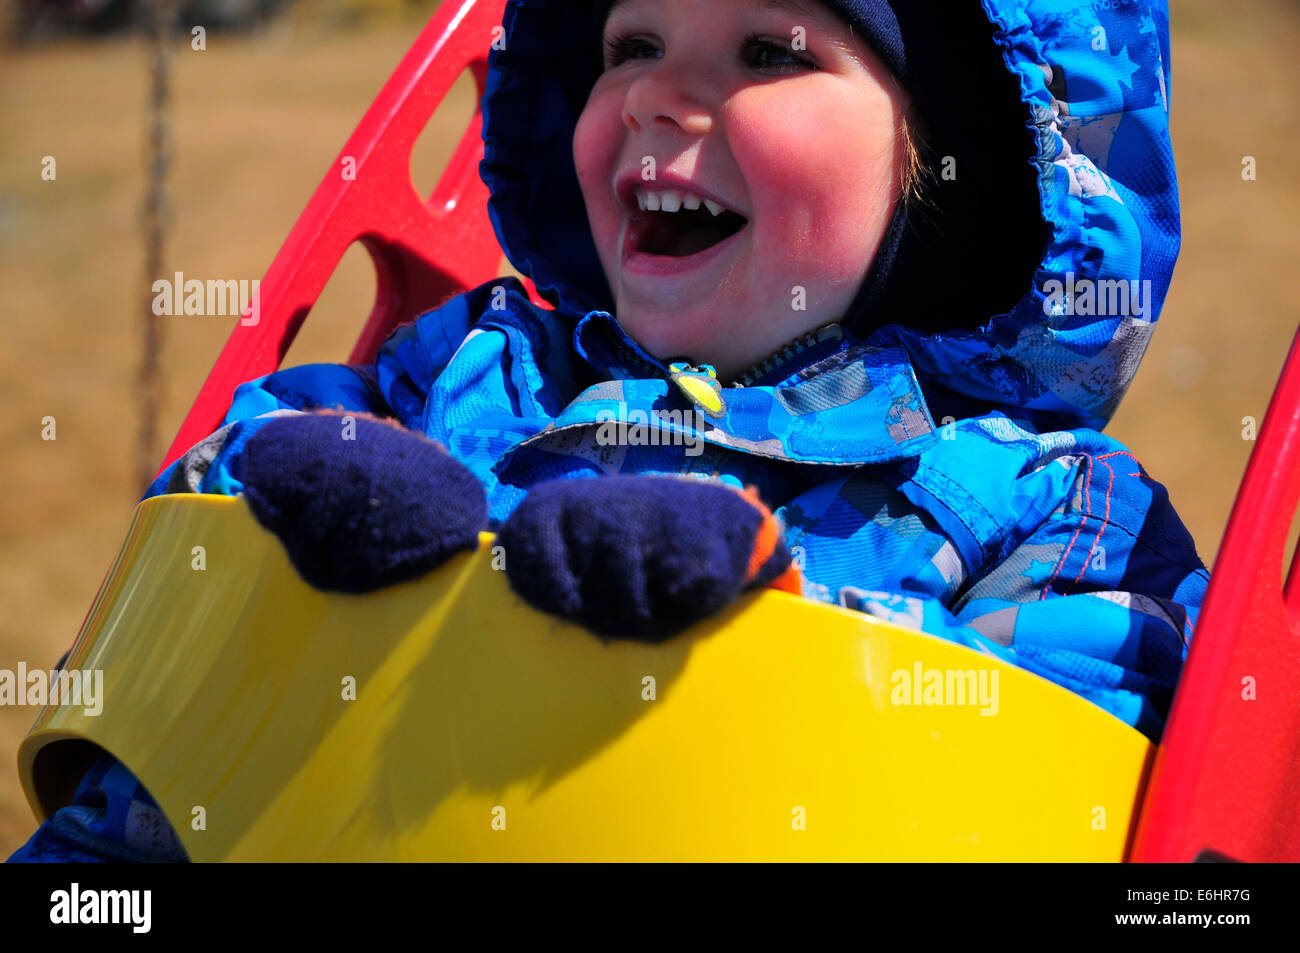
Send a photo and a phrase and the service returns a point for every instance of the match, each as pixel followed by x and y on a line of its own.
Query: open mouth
pixel 677 224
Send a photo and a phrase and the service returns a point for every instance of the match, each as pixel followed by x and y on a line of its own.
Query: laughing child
pixel 843 293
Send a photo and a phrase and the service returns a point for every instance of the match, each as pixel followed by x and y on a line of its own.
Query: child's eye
pixel 619 48
pixel 759 52
pixel 765 53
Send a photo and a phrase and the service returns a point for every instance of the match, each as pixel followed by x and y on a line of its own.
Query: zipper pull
pixel 701 387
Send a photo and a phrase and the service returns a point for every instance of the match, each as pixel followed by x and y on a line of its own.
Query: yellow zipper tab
pixel 701 387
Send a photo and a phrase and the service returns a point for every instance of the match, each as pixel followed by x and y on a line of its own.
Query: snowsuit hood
pixel 1032 283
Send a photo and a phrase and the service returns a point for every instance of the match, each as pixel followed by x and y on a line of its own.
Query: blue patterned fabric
pixel 112 819
pixel 955 481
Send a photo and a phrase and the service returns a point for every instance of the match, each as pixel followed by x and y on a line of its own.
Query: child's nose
pixel 657 100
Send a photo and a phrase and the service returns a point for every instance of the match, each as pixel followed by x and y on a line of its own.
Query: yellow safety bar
pixel 445 719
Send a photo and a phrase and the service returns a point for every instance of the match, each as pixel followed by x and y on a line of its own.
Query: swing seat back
pixel 1226 781
pixel 423 250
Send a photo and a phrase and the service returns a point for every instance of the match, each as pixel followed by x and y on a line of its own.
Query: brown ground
pixel 259 120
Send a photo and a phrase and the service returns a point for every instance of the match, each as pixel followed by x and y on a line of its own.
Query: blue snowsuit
pixel 951 480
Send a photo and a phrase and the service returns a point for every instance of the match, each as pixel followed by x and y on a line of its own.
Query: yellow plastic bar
pixel 444 719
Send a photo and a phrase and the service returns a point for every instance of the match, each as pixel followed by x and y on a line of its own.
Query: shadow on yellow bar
pixel 444 719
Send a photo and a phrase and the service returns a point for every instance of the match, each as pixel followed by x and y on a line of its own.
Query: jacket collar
pixel 832 400
pixel 600 340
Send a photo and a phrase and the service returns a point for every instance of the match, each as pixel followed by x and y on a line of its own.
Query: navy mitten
pixel 359 502
pixel 641 557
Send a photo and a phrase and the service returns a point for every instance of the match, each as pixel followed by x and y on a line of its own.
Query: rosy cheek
pixel 815 210
pixel 777 155
pixel 593 131
pixel 586 157
pixel 596 142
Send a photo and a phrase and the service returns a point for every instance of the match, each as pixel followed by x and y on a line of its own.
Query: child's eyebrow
pixel 609 11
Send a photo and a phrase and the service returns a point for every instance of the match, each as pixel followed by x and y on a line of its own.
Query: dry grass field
pixel 259 119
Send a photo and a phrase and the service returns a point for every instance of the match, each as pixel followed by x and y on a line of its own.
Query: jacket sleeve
pixel 1058 554
pixel 1102 596
pixel 112 819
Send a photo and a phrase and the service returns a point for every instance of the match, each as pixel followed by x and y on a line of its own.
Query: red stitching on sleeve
pixel 1125 453
pixel 1087 511
pixel 1105 521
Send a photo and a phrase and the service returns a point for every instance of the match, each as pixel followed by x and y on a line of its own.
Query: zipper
pixel 760 370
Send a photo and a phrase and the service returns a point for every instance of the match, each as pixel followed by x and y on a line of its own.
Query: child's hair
pixel 918 170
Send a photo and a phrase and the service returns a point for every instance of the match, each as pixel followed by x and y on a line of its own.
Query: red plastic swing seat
pixel 1226 780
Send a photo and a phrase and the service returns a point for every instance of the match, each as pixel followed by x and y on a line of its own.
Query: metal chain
pixel 160 15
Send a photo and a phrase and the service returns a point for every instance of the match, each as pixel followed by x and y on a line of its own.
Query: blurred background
pixel 257 117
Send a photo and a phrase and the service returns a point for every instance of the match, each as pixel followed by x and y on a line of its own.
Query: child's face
pixel 723 98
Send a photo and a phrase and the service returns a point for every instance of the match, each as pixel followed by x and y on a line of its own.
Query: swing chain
pixel 159 23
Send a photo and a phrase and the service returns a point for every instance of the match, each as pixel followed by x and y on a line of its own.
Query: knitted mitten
pixel 641 557
pixel 359 502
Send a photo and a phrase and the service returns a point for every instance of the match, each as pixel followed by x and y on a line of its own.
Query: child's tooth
pixel 691 201
pixel 671 201
pixel 652 201
pixel 713 207
pixel 640 199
